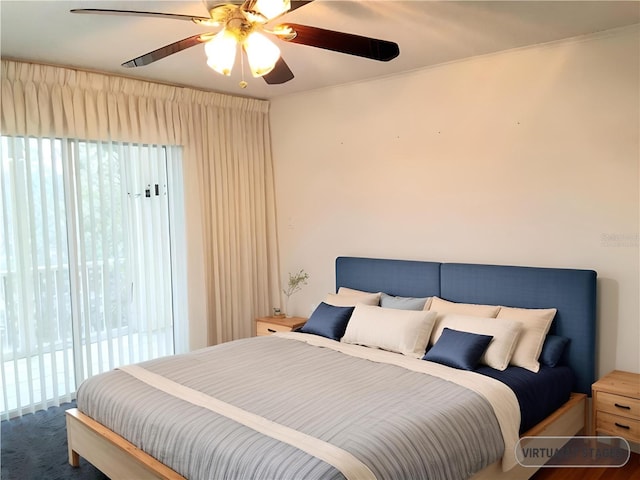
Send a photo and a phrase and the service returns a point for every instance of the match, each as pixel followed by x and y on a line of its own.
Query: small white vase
pixel 287 313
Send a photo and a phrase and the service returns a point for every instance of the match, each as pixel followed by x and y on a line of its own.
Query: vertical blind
pixel 85 263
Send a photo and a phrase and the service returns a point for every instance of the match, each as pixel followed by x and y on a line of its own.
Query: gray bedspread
pixel 400 423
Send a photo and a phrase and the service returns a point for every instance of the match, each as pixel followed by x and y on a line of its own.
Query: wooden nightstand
pixel 269 325
pixel 616 405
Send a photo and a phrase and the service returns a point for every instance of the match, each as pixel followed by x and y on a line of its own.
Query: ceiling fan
pixel 245 25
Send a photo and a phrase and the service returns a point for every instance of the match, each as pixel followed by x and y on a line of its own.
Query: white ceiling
pixel 428 33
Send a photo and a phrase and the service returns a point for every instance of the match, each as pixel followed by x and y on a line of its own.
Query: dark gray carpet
pixel 34 447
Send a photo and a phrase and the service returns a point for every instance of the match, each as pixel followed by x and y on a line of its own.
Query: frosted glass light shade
pixel 262 54
pixel 270 8
pixel 221 52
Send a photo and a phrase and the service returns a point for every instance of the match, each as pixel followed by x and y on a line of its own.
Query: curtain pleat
pixel 225 142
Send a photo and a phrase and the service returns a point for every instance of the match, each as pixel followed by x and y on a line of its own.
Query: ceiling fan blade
pixel 281 73
pixel 167 50
pixel 373 48
pixel 295 4
pixel 103 11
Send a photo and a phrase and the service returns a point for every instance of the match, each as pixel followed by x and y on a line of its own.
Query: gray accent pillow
pixel 402 303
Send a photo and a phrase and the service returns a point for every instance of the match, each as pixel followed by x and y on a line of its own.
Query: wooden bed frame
pixel 119 459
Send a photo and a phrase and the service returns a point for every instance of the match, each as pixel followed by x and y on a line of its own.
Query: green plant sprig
pixel 296 282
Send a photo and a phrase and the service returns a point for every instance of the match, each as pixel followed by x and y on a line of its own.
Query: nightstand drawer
pixel 264 328
pixel 617 425
pixel 618 405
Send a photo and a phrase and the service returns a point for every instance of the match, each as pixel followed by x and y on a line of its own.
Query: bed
pixel 303 422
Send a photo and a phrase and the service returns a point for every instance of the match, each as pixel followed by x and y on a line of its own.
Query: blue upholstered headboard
pixel 572 292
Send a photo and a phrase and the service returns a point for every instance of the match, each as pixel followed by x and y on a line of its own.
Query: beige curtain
pixel 225 138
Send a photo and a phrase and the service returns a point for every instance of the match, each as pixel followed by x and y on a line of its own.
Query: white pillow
pixel 444 306
pixel 505 335
pixel 535 326
pixel 401 331
pixel 353 292
pixel 352 300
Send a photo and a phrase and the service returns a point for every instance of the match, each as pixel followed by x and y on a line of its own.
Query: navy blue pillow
pixel 458 349
pixel 328 321
pixel 553 349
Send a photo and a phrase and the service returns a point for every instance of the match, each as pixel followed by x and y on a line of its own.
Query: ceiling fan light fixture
pixel 262 54
pixel 221 52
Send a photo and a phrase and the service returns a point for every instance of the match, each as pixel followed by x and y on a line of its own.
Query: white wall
pixel 528 157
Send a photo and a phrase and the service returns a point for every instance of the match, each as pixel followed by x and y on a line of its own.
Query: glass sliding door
pixel 35 298
pixel 151 321
pixel 85 259
pixel 123 255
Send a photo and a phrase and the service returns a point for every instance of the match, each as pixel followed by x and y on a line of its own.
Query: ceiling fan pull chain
pixel 243 83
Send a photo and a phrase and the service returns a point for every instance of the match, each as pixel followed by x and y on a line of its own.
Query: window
pixel 87 247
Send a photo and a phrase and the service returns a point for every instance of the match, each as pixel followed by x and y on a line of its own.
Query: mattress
pixel 539 394
pixel 299 406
